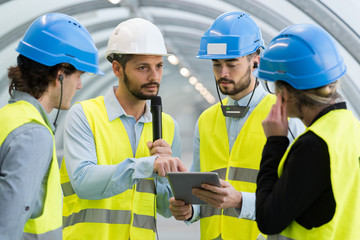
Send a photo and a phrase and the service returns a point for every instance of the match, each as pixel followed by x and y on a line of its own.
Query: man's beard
pixel 243 84
pixel 137 93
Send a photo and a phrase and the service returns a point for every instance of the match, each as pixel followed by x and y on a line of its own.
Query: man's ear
pixel 255 61
pixel 59 78
pixel 117 69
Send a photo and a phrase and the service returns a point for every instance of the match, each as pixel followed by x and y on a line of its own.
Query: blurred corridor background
pixel 188 85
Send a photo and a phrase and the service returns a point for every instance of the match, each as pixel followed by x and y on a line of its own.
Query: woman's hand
pixel 276 123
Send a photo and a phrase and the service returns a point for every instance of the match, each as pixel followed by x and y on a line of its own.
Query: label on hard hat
pixel 216 48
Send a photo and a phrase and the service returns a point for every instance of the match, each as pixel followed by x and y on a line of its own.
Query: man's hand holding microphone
pixel 164 162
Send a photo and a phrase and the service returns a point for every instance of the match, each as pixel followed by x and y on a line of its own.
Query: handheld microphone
pixel 156 111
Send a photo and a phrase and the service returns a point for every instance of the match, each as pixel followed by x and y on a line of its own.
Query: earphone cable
pixel 57 114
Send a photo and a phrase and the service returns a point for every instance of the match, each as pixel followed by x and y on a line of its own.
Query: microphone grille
pixel 156 101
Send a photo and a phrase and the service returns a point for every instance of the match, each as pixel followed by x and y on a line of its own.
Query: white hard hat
pixel 136 36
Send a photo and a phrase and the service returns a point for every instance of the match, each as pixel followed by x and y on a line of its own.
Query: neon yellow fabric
pixel 341 131
pixel 13 116
pixel 245 156
pixel 130 207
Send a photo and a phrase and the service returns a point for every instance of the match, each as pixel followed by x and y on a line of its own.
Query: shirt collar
pixel 115 110
pixel 23 96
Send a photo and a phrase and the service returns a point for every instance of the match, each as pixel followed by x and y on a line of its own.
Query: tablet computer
pixel 182 183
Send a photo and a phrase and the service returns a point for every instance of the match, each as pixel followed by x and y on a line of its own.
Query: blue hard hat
pixel 58 38
pixel 303 55
pixel 232 35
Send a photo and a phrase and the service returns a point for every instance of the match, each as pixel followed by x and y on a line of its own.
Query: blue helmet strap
pixel 235 110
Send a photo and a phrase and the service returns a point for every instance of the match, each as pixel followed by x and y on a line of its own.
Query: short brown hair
pixel 122 59
pixel 254 54
pixel 34 78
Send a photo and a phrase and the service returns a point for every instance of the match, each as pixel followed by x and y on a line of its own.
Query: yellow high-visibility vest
pixel 239 167
pixel 340 130
pixel 128 215
pixel 48 224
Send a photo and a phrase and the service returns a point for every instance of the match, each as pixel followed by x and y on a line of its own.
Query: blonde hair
pixel 321 96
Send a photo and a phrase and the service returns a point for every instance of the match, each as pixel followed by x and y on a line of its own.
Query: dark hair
pixel 254 54
pixel 120 58
pixel 34 78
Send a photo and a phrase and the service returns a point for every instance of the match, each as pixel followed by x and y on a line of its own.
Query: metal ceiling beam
pixel 18 31
pixel 261 11
pixel 187 6
pixel 332 23
pixel 171 20
pixel 346 36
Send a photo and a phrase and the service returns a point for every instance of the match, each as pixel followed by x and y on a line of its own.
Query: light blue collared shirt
pixel 92 181
pixel 25 157
pixel 233 126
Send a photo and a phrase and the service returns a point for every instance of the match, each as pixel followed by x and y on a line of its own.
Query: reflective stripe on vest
pixel 54 234
pixel 243 174
pixel 98 216
pixel 144 185
pixel 239 167
pixel 110 217
pixel 67 189
pixel 340 130
pixel 48 224
pixel 130 214
pixel 239 174
pixel 278 237
pixel 208 211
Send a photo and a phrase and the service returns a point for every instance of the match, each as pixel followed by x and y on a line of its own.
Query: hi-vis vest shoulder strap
pixel 340 130
pixel 48 224
pixel 129 215
pixel 239 167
